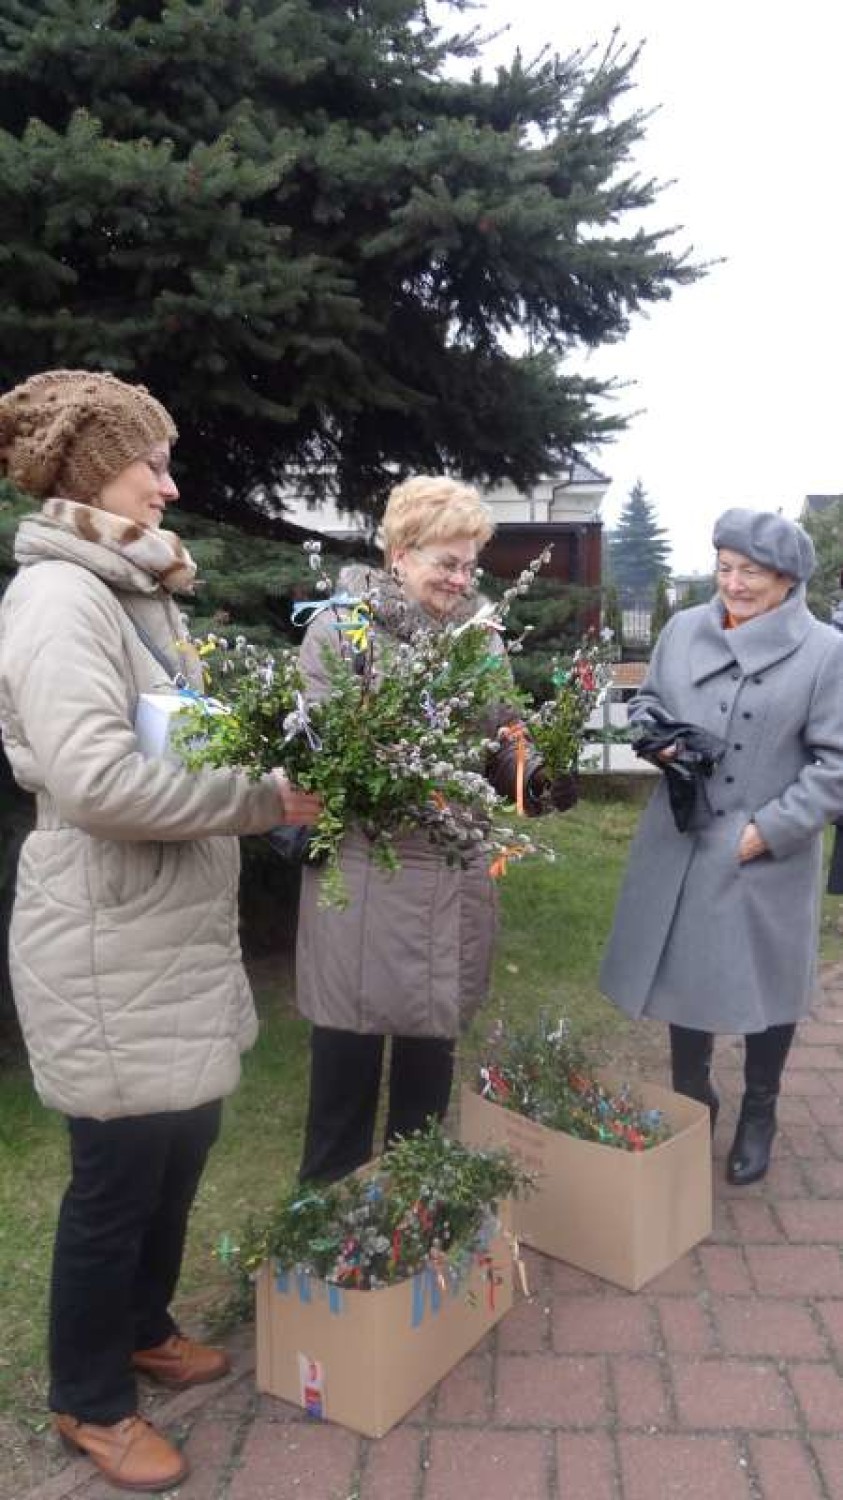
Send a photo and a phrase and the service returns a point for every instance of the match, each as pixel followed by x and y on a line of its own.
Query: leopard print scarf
pixel 160 553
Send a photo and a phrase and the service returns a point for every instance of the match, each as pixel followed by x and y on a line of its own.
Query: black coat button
pixel 758 680
pixel 724 708
pixel 746 714
pixel 730 779
pixel 720 813
pixel 738 747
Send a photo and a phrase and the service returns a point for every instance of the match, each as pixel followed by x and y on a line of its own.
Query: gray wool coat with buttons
pixel 700 939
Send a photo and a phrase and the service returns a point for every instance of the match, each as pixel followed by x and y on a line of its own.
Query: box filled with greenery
pixel 370 1290
pixel 622 1179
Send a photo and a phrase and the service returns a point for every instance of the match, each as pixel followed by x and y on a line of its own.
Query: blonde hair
pixel 431 508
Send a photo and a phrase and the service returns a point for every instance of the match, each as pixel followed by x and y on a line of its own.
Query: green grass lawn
pixel 556 917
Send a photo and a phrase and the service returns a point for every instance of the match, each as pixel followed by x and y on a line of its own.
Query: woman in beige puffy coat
pixel 124 946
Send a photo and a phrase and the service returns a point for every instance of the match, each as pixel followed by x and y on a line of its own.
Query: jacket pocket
pixel 121 874
pixel 132 879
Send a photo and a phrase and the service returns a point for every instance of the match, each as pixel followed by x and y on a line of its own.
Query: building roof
pixel 583 473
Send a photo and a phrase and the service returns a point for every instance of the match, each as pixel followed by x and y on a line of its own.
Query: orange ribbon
pixel 498 865
pixel 518 734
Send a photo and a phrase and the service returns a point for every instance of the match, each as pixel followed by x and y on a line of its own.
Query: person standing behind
pixel 716 928
pixel 124 949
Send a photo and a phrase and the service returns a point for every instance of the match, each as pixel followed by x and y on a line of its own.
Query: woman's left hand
pixel 751 844
pixel 543 793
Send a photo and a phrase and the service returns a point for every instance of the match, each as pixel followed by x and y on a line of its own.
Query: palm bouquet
pixel 580 682
pixel 398 743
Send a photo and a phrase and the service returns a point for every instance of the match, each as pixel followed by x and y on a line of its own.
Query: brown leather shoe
pixel 131 1454
pixel 179 1362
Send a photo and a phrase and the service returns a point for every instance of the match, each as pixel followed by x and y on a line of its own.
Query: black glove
pixel 543 793
pixel 290 842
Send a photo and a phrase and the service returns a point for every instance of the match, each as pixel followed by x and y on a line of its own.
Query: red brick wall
pixel 575 558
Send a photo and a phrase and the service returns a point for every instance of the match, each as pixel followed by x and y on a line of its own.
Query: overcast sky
pixel 736 378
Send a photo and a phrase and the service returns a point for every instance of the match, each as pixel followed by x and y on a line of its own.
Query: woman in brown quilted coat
pixel 410 956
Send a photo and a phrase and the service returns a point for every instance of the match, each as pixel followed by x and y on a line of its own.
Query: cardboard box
pixel 155 717
pixel 622 1215
pixel 364 1359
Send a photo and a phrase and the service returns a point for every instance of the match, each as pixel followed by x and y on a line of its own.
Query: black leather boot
pixel 690 1064
pixel 766 1054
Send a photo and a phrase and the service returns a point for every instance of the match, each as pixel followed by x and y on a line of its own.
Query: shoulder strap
pixel 177 678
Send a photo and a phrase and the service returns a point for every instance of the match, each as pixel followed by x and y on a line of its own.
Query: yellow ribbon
pixel 356 628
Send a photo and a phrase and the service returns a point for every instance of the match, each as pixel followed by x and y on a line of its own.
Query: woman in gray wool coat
pixel 716 927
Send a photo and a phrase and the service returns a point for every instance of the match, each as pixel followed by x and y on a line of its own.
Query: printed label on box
pixel 312 1388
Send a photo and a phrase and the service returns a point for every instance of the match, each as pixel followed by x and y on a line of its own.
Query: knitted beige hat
pixel 68 432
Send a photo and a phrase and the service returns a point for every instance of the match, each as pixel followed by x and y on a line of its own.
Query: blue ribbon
pixel 435 1291
pixel 314 607
pixel 418 1299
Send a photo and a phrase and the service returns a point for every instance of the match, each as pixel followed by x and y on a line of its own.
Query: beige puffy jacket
pixel 124 946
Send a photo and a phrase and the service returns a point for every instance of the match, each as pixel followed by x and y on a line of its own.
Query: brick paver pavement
pixel 721 1380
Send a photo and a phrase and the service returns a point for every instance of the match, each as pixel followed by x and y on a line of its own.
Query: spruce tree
pixel 314 240
pixel 826 529
pixel 639 548
pixel 661 609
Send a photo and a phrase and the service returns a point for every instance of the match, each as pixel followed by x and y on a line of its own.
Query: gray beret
pixel 768 539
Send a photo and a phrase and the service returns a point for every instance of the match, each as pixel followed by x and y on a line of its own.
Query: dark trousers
pixel 765 1054
pixel 345 1076
pixel 118 1251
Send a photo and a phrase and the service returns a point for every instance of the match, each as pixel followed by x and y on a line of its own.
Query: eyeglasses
pixel 449 567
